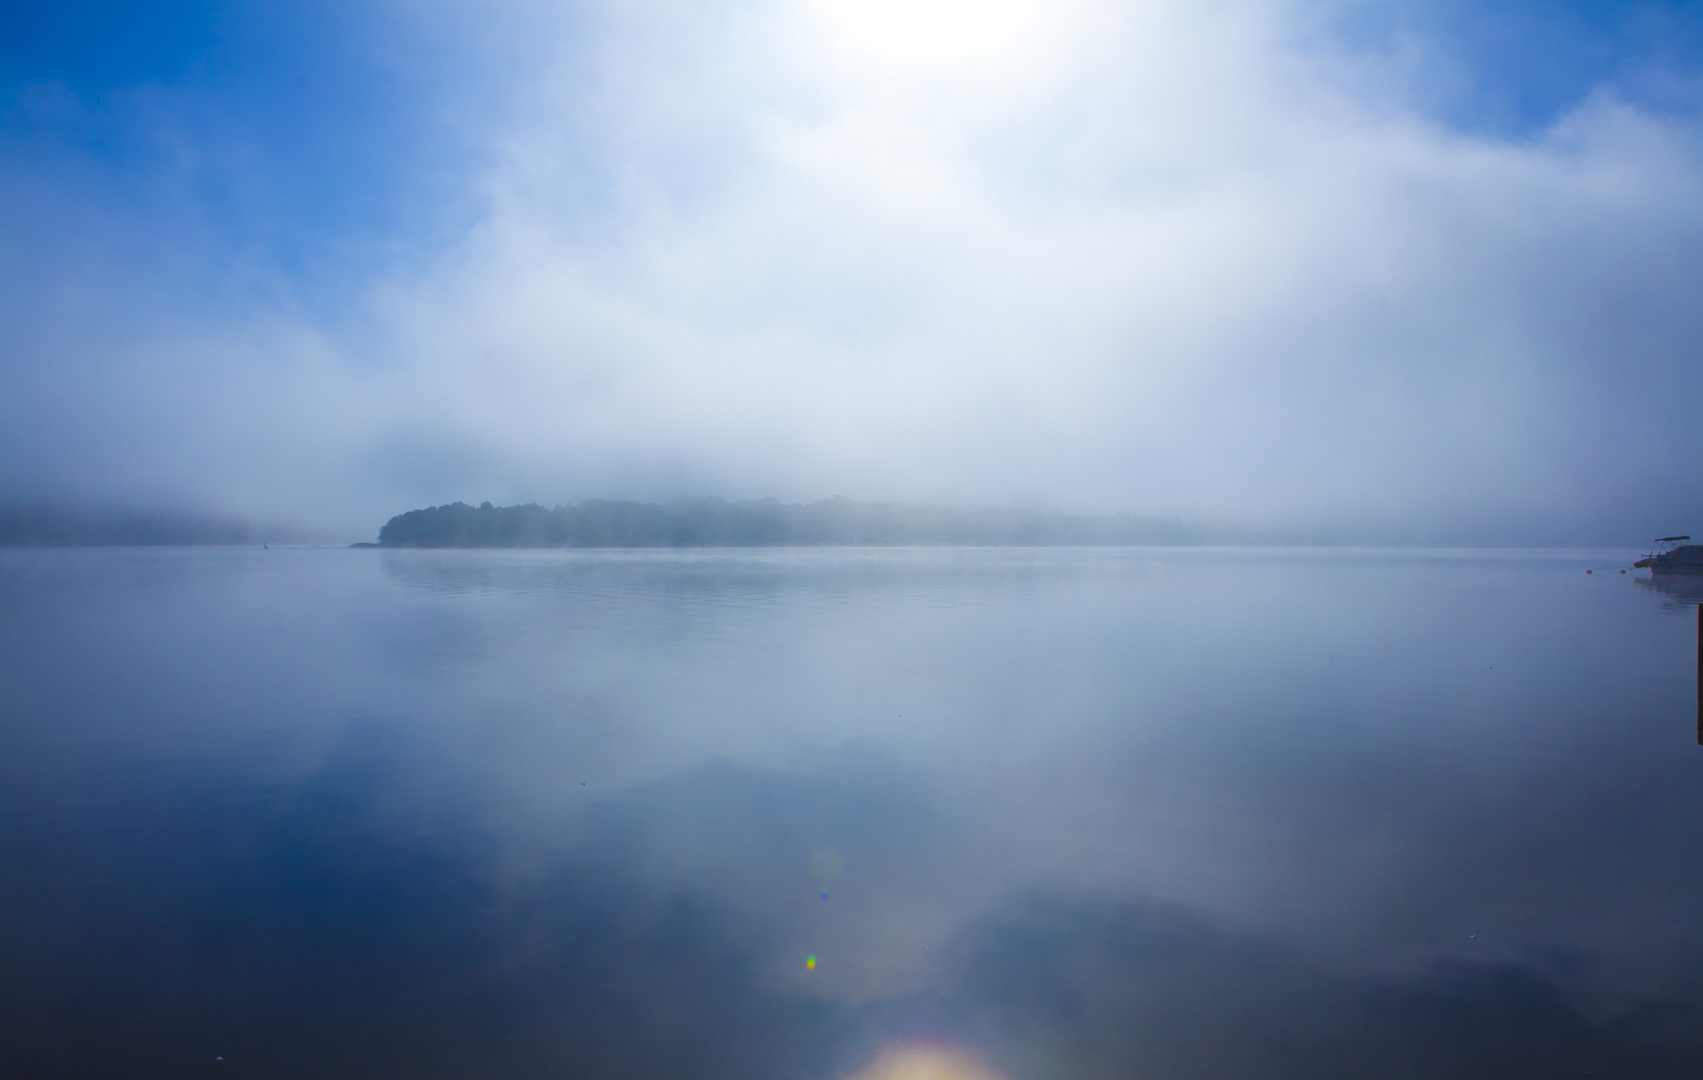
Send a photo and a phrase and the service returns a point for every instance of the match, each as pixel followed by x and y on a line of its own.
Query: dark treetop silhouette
pixel 597 523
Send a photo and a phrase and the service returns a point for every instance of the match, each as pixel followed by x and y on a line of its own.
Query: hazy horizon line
pixel 62 523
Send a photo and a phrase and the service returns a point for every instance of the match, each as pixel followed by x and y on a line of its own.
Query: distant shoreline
pixel 836 522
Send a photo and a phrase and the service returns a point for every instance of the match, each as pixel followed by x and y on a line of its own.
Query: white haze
pixel 1187 259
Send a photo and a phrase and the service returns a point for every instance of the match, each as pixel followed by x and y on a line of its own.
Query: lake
pixel 837 813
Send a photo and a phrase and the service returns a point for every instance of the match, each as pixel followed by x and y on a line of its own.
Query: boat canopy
pixel 1670 539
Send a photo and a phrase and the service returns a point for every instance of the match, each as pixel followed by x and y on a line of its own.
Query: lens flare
pixel 810 962
pixel 826 864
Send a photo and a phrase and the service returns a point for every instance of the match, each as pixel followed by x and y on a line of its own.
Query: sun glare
pixel 919 1063
pixel 930 31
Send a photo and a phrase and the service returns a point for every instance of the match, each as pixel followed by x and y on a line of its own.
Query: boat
pixel 1673 555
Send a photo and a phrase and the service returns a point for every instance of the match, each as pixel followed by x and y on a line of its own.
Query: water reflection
pixel 1680 593
pixel 1055 815
pixel 304 930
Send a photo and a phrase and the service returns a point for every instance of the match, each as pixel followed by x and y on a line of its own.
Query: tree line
pixel 709 522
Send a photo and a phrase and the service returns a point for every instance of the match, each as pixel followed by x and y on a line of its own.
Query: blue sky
pixel 1422 263
pixel 305 135
pixel 1513 67
pixel 345 125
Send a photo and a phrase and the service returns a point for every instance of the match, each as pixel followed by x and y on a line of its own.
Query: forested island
pixel 598 523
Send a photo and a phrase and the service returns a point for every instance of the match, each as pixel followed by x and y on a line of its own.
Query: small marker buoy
pixel 1623 571
pixel 1587 571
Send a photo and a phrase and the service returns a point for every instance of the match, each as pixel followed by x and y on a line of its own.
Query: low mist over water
pixel 1015 813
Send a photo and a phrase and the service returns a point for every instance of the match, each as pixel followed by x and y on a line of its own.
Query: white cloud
pixel 1176 258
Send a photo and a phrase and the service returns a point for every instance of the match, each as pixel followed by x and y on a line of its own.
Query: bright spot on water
pixel 927 1063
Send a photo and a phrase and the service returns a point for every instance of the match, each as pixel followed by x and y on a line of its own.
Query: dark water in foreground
pixel 821 813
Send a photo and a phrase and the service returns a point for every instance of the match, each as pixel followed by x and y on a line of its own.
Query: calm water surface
pixel 823 813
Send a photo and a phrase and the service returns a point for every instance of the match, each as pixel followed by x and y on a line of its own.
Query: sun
pixel 930 31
